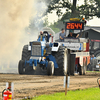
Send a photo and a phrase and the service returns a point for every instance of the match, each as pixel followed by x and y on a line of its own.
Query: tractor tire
pixel 26 56
pixel 72 64
pixel 62 60
pixel 25 53
pixel 97 54
pixel 21 67
pixel 50 68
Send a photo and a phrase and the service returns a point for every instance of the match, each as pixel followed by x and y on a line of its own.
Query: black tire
pixel 21 67
pixel 62 60
pixel 50 68
pixel 72 64
pixel 26 56
pixel 25 53
pixel 97 54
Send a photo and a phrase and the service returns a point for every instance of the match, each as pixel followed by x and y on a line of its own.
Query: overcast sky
pixel 94 22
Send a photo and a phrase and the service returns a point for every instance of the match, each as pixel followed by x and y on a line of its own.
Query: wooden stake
pixel 66 85
pixel 9 84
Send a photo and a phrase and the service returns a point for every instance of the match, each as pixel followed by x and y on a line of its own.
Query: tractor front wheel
pixel 21 67
pixel 50 68
pixel 26 56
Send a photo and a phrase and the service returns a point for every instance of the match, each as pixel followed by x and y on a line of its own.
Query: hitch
pixel 35 62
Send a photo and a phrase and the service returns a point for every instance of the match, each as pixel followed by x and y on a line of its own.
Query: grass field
pixel 87 94
pixel 94 71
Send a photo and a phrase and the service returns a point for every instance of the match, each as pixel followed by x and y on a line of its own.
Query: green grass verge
pixel 87 94
pixel 94 71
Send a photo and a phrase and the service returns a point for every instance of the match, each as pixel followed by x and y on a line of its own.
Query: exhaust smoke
pixel 15 30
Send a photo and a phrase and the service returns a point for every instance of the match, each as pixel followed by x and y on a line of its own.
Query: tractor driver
pixel 72 35
pixel 44 34
pixel 47 36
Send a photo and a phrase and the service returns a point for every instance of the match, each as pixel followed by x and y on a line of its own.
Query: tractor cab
pixel 47 35
pixel 44 36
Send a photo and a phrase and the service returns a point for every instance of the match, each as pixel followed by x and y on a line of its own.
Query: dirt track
pixel 31 85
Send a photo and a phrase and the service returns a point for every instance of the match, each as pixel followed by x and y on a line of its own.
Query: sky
pixel 94 22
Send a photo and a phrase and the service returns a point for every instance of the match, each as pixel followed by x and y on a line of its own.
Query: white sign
pixel 74 46
pixel 68 81
pixel 97 66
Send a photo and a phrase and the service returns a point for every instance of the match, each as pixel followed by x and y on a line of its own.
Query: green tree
pixel 88 9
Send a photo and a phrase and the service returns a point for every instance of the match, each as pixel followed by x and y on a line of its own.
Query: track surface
pixel 32 85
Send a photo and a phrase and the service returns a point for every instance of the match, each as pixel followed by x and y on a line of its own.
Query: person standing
pixel 62 35
pixel 92 57
pixel 72 35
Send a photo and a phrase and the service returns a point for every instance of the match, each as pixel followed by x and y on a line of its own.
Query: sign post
pixel 66 84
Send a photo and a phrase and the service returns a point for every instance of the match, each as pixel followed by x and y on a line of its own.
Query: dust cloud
pixel 15 19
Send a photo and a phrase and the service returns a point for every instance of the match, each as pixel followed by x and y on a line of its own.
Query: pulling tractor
pixel 56 58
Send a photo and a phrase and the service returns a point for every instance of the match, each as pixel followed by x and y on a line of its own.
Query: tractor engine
pixel 36 49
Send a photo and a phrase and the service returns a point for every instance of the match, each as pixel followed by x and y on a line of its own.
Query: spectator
pixel 92 57
pixel 62 35
pixel 72 35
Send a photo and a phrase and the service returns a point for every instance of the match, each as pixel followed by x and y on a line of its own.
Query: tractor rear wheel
pixel 50 68
pixel 97 54
pixel 62 60
pixel 26 56
pixel 21 67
